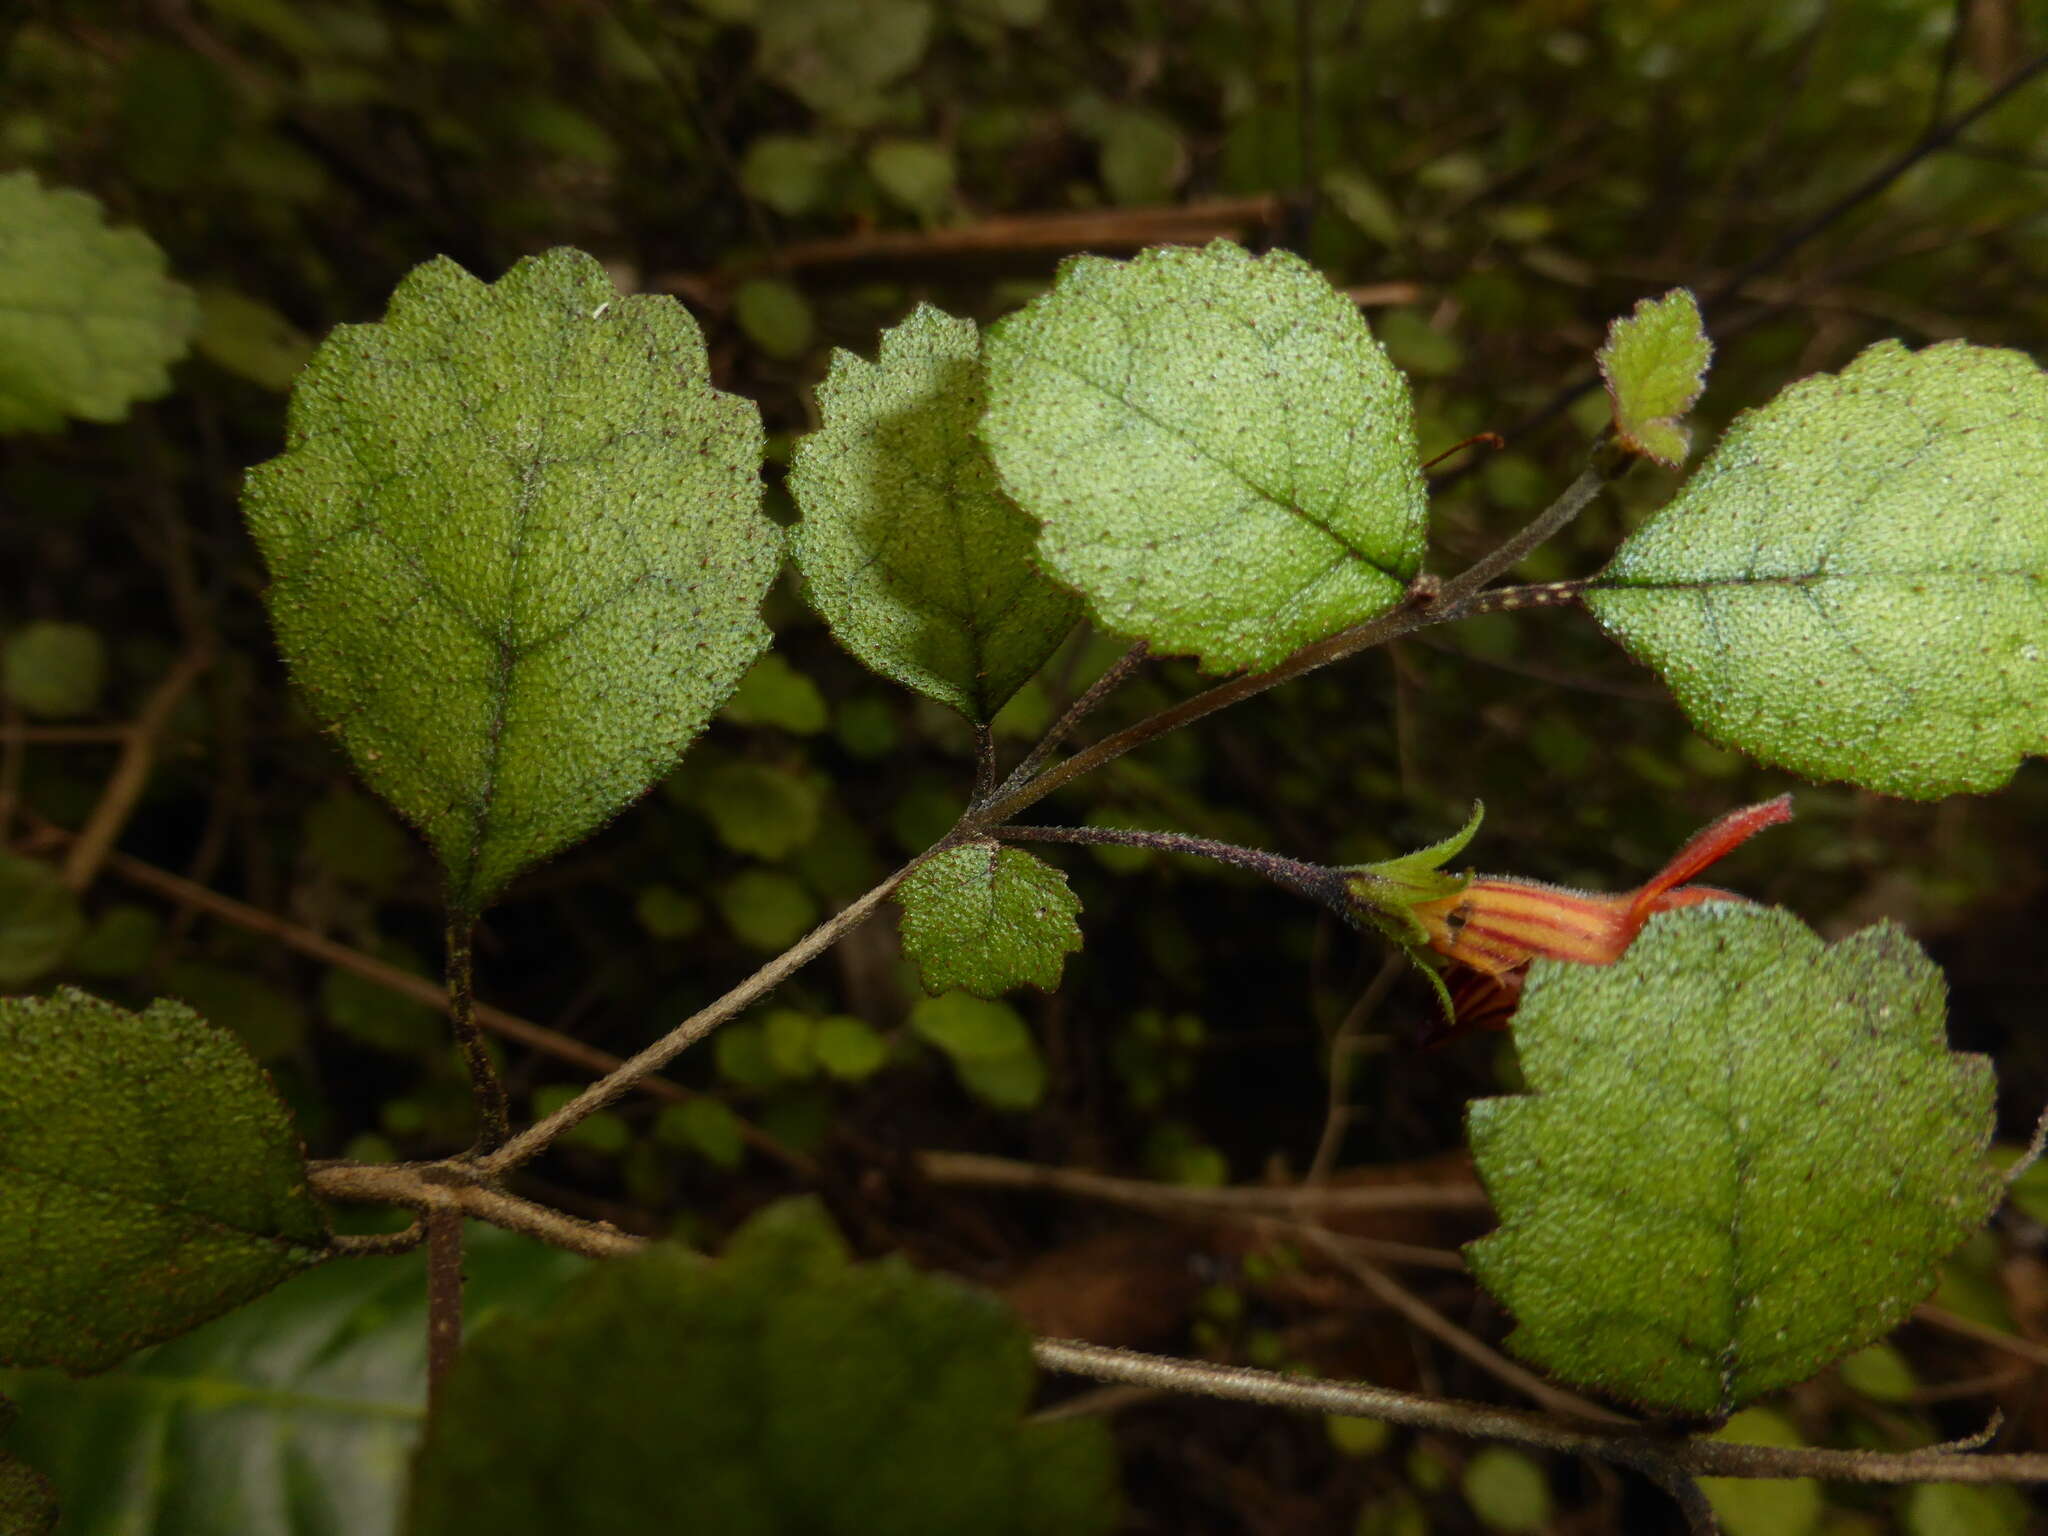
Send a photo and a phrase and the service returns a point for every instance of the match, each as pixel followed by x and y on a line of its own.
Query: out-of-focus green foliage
pixel 779 1388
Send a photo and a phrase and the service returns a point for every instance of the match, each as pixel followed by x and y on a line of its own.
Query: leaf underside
pixel 913 553
pixel 1222 456
pixel 149 1180
pixel 1854 585
pixel 516 553
pixel 1743 1154
pixel 89 320
pixel 779 1389
pixel 987 918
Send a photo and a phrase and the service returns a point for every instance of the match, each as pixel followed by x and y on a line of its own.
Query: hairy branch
pixel 425 1187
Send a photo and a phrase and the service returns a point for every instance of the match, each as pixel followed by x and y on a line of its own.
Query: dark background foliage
pixel 1493 182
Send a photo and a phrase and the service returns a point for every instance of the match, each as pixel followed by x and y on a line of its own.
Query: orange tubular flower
pixel 1492 929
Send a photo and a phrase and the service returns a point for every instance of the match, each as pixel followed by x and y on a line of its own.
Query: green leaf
pixel 989 1046
pixel 837 58
pixel 766 909
pixel 293 1416
pixel 667 913
pixel 849 1048
pixel 1507 1490
pixel 1851 584
pixel 28 1500
pixel 704 1126
pixel 759 808
pixel 352 838
pixel 377 1016
pixel 1881 1374
pixel 249 339
pixel 119 943
pixel 988 918
pixel 89 322
pixel 913 553
pixel 149 1180
pixel 791 175
pixel 1222 457
pixel 914 173
pixel 1744 1155
pixel 54 671
pixel 1958 1509
pixel 1756 1506
pixel 775 315
pixel 1655 365
pixel 778 1389
pixel 1144 157
pixel 267 1020
pixel 775 693
pixel 517 553
pixel 39 920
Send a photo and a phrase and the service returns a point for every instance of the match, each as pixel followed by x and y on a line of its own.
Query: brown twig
pixel 130 777
pixel 1968 1328
pixel 1336 1114
pixel 493 1121
pixel 974 1169
pixel 422 1186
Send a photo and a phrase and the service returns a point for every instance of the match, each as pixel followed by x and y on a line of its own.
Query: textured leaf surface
pixel 1744 1154
pixel 293 1416
pixel 915 556
pixel 1855 583
pixel 149 1180
pixel 989 918
pixel 1655 365
pixel 516 553
pixel 1222 456
pixel 89 321
pixel 778 1389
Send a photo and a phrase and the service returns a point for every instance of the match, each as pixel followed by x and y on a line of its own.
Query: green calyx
pixel 1383 896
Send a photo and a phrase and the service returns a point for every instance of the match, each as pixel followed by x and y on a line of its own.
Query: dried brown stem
pixel 442 1218
pixel 419 1186
pixel 975 1170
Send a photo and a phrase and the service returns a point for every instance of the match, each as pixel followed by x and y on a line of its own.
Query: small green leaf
pixel 374 1014
pixel 1880 1373
pixel 775 315
pixel 1745 1153
pixel 54 671
pixel 849 1048
pixel 1144 157
pixel 706 1127
pixel 267 1020
pixel 249 339
pixel 667 913
pixel 988 918
pixel 1851 585
pixel 89 322
pixel 1655 365
pixel 293 1416
pixel 778 1389
pixel 759 808
pixel 791 175
pixel 775 693
pixel 989 1046
pixel 517 553
pixel 28 1500
pixel 352 838
pixel 149 1180
pixel 1958 1509
pixel 1221 454
pixel 39 920
pixel 916 173
pixel 1757 1506
pixel 1507 1490
pixel 913 553
pixel 767 909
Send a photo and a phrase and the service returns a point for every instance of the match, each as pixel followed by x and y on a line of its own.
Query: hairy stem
pixel 489 1092
pixel 1317 882
pixel 1428 602
pixel 1111 679
pixel 420 1186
